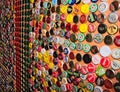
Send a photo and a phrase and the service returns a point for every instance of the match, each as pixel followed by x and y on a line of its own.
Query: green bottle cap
pixel 72 46
pixel 36 42
pixel 81 37
pixel 90 87
pixel 100 71
pixel 40 42
pixel 44 25
pixel 66 43
pixel 59 89
pixel 30 29
pixel 74 89
pixel 65 2
pixel 86 47
pixel 93 7
pixel 64 74
pixel 54 87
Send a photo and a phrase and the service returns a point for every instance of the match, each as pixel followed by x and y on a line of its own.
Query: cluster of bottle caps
pixel 74 46
pixel 7 52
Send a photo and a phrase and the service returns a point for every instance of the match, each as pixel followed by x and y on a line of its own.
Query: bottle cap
pixel 85 8
pixel 83 28
pixel 100 71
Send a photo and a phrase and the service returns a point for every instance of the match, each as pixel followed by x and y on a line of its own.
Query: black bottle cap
pixel 89 37
pixel 94 49
pixel 110 73
pixel 75 19
pixel 99 81
pixel 108 40
pixel 51 31
pixel 55 54
pixel 78 57
pixel 71 64
pixel 87 58
pixel 60 48
pixel 50 71
pixel 102 28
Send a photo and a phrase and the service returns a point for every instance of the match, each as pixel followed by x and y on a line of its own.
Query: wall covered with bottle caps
pixel 62 45
pixel 7 52
pixel 74 46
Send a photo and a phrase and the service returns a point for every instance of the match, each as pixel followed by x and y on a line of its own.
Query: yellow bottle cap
pixel 30 45
pixel 63 9
pixel 45 83
pixel 112 29
pixel 69 18
pixel 33 78
pixel 36 71
pixel 46 60
pixel 46 53
pixel 46 57
pixel 51 65
pixel 32 1
pixel 54 80
pixel 39 55
pixel 41 17
pixel 52 90
pixel 43 75
pixel 85 8
pixel 83 28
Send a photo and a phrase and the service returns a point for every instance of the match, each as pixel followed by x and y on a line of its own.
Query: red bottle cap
pixel 83 18
pixel 71 55
pixel 69 87
pixel 62 17
pixel 91 28
pixel 39 49
pixel 45 89
pixel 46 67
pixel 105 62
pixel 119 18
pixel 40 24
pixel 58 84
pixel 59 71
pixel 31 39
pixel 31 82
pixel 35 90
pixel 76 81
pixel 30 71
pixel 91 67
pixel 55 46
pixel 55 74
pixel 68 26
pixel 117 40
pixel 75 28
pixel 65 67
pixel 84 70
pixel 48 20
pixel 60 56
pixel 77 66
pixel 42 80
pixel 108 84
pixel 91 77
